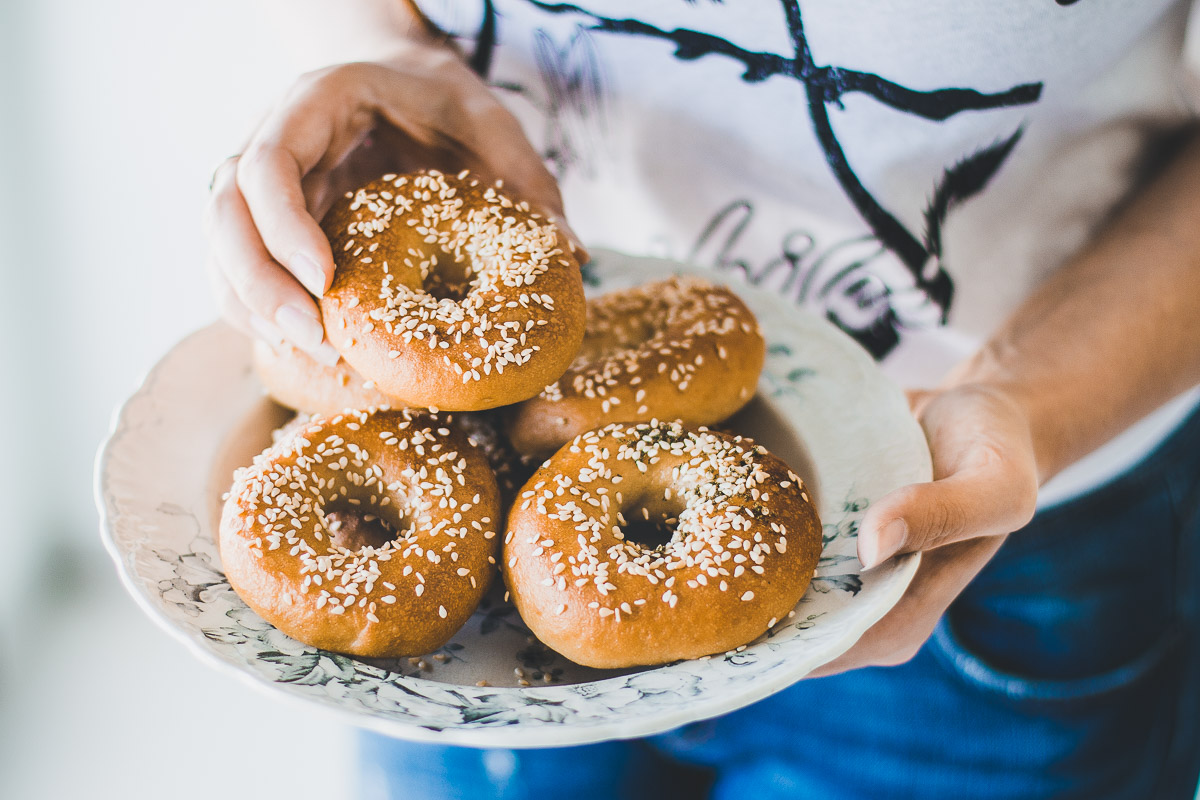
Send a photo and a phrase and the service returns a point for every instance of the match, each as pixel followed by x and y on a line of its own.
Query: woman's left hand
pixel 985 482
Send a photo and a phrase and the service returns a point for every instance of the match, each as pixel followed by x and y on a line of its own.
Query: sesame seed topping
pixel 644 347
pixel 472 288
pixel 296 497
pixel 711 493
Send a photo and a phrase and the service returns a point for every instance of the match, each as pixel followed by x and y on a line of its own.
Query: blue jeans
pixel 1070 668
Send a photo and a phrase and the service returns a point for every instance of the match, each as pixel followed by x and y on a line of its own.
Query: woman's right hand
pixel 336 129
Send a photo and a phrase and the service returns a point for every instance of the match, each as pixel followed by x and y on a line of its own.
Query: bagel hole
pixel 651 524
pixel 625 334
pixel 651 535
pixel 449 280
pixel 355 529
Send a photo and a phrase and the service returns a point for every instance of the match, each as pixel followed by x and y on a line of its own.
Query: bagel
pixel 370 533
pixel 744 542
pixel 449 294
pixel 485 431
pixel 295 379
pixel 681 349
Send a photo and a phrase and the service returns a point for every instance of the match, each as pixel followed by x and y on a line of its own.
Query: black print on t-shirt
pixel 571 100
pixel 826 85
pixel 839 277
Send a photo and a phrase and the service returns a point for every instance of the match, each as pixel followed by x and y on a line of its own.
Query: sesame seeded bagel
pixel 485 431
pixel 681 349
pixel 370 533
pixel 744 543
pixel 449 294
pixel 295 379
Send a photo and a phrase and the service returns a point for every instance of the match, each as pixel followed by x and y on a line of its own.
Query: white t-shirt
pixel 911 169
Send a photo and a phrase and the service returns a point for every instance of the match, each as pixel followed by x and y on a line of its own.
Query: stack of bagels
pixel 486 418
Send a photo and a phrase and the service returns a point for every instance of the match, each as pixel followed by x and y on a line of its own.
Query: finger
pixel 263 287
pixel 985 478
pixel 990 495
pixel 236 314
pixel 317 126
pixel 941 577
pixel 983 500
pixel 231 308
pixel 270 180
pixel 918 399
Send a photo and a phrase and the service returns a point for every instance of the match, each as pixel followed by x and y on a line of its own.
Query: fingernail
pixel 301 327
pixel 267 332
pixel 887 541
pixel 307 271
pixel 325 354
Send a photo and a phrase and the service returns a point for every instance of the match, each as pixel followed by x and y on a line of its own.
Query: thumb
pixel 985 500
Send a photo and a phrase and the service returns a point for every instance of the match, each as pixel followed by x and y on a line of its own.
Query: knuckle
pixel 224 174
pixel 900 656
pixel 249 171
pixel 331 80
pixel 443 59
pixel 310 78
pixel 313 80
pixel 908 496
pixel 947 518
pixel 348 71
pixel 252 282
pixel 256 156
pixel 254 174
pixel 1024 503
pixel 901 652
pixel 220 199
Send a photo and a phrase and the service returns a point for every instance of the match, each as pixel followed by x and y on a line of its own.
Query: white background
pixel 112 118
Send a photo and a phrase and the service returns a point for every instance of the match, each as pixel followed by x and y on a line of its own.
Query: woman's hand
pixel 984 487
pixel 336 129
pixel 1110 336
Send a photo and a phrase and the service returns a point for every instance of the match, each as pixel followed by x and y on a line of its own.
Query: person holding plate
pixel 998 203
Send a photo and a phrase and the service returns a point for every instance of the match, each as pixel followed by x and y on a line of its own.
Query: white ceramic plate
pixel 822 406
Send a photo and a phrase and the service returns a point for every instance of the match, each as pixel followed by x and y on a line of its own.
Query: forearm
pixel 1114 333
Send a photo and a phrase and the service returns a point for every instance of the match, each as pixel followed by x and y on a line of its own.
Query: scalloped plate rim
pixel 548 734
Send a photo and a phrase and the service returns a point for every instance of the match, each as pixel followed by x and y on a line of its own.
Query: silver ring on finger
pixel 212 181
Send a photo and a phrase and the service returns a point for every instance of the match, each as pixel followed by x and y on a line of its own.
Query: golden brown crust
pixel 285 554
pixel 681 349
pixel 297 380
pixel 486 432
pixel 746 543
pixel 448 294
